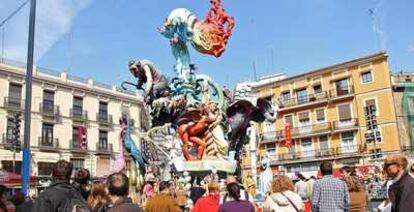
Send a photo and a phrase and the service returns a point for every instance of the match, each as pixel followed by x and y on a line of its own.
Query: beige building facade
pixel 61 104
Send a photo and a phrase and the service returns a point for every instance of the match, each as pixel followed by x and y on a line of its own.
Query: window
pixel 7 165
pixel 307 147
pixel 317 88
pixel 342 87
pixel 289 120
pixel 75 136
pixel 77 106
pixel 320 115
pixel 103 110
pixel 293 147
pixel 347 142
pixel 285 96
pixel 371 103
pixel 304 118
pixel 47 134
pixel 271 149
pixel 15 95
pixel 366 77
pixel 103 139
pixel 302 96
pixel 345 114
pixel 78 163
pixel 48 100
pixel 323 142
pixel 9 132
pixel 44 168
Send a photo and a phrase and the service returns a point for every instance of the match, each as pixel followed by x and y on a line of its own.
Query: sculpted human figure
pixel 156 84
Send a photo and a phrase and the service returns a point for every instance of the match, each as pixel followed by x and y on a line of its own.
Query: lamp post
pixel 28 102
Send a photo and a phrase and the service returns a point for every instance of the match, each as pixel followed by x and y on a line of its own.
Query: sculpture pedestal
pixel 207 165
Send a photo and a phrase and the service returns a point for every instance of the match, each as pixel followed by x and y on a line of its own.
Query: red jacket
pixel 207 203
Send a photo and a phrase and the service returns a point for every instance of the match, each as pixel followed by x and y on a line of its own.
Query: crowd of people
pixel 346 193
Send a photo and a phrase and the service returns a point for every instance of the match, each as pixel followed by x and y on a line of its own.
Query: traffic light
pixel 16 131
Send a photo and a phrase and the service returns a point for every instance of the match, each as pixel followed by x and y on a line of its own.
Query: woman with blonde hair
pixel 99 199
pixel 282 197
pixel 357 195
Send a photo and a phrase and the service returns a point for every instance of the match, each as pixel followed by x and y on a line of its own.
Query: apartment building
pixel 403 90
pixel 61 105
pixel 343 112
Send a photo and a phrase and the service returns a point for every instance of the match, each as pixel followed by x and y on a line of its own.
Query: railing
pixel 297 132
pixel 104 118
pixel 13 104
pixel 77 79
pixel 343 91
pixel 272 136
pixel 49 109
pixel 48 142
pixel 6 139
pixel 104 147
pixel 299 100
pixel 345 124
pixel 80 115
pixel 102 85
pixel 74 145
pixel 48 72
pixel 347 150
pixel 311 154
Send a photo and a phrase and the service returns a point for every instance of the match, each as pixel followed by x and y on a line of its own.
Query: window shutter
pixel 320 114
pixel 289 119
pixel 344 112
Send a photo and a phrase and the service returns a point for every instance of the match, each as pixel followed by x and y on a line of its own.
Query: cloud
pixel 54 19
pixel 411 47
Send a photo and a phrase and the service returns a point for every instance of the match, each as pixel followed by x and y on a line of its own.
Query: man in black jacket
pixel 55 197
pixel 401 192
pixel 118 187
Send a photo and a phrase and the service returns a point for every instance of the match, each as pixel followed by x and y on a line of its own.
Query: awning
pixel 11 179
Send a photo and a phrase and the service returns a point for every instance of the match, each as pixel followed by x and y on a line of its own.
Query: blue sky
pixel 95 39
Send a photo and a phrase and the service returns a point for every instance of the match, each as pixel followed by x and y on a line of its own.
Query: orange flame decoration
pixel 214 31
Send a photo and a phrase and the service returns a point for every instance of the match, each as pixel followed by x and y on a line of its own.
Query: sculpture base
pixel 208 165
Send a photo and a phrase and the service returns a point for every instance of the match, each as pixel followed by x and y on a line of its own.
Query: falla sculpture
pixel 202 115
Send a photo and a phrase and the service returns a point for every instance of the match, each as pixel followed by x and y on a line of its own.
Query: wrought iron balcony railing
pixel 104 118
pixel 47 142
pixel 47 109
pixel 75 146
pixel 78 115
pixel 303 100
pixel 344 125
pixel 342 91
pixel 13 104
pixel 102 147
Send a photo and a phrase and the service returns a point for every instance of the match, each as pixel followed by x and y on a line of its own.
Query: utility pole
pixel 28 101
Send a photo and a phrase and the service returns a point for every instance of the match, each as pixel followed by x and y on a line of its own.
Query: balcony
pixel 13 104
pixel 49 144
pixel 345 125
pixel 104 118
pixel 78 115
pixel 76 148
pixel 350 150
pixel 342 93
pixel 7 141
pixel 104 148
pixel 297 132
pixel 303 101
pixel 49 111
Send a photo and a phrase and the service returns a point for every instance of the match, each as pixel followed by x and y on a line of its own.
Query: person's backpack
pixel 74 203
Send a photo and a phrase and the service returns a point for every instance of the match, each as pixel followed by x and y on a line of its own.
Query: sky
pixel 96 39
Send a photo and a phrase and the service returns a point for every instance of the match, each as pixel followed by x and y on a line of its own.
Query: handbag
pixel 296 208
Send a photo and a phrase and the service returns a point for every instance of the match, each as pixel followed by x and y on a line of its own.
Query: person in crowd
pixel 309 187
pixel 118 188
pixel 347 171
pixel 210 202
pixel 99 199
pixel 412 170
pixel 5 206
pixel 329 193
pixel 357 196
pixel 244 195
pixel 282 197
pixel 300 186
pixel 163 201
pixel 237 204
pixel 196 192
pixel 149 188
pixel 81 182
pixel 401 191
pixel 19 201
pixel 57 195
